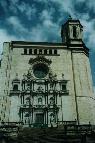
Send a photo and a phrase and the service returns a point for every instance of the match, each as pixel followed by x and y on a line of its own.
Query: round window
pixel 40 70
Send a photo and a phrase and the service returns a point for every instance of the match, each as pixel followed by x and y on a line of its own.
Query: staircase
pixel 53 135
pixel 64 134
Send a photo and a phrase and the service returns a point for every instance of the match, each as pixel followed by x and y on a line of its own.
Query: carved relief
pixel 39 59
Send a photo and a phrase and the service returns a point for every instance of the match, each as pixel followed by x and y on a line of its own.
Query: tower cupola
pixel 71 31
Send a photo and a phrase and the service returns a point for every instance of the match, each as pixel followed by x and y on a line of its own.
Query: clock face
pixel 40 70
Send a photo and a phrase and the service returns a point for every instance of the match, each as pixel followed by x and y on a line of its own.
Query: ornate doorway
pixel 39 119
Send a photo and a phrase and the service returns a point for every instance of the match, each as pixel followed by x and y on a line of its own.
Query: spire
pixel 69 18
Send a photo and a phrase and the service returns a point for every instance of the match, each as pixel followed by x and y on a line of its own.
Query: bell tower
pixel 71 31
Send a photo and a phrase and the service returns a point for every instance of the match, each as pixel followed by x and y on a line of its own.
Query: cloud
pixel 14 1
pixel 46 25
pixel 46 15
pixel 65 6
pixel 37 34
pixel 45 28
pixel 4 5
pixel 40 31
pixel 28 9
pixel 81 0
pixel 31 12
pixel 40 20
pixel 89 32
pixel 17 7
pixel 91 5
pixel 45 31
pixel 16 23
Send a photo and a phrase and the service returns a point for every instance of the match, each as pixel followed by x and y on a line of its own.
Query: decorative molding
pixel 52 76
pixel 28 76
pixel 16 80
pixel 40 89
pixel 39 59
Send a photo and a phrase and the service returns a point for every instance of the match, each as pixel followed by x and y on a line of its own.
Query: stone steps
pixel 52 136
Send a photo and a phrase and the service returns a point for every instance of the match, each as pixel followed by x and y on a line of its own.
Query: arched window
pixel 50 52
pixel 51 86
pixel 27 100
pixel 51 100
pixel 27 115
pixel 30 51
pixel 35 51
pixel 74 32
pixel 15 87
pixel 25 51
pixel 55 52
pixel 40 51
pixel 45 51
pixel 63 87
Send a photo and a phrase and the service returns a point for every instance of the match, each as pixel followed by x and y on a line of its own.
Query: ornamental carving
pixel 39 59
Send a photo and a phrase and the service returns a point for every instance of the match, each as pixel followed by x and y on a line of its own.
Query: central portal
pixel 39 120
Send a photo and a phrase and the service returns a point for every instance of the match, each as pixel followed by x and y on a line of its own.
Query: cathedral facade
pixel 44 84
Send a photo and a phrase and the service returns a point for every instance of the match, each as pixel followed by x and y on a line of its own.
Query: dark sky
pixel 41 20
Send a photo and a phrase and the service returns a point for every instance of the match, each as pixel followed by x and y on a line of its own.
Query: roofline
pixel 46 44
pixel 36 43
pixel 71 20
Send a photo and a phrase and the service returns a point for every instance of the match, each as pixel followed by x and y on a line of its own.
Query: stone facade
pixel 45 83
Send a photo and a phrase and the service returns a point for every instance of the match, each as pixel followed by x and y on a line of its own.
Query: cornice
pixel 79 47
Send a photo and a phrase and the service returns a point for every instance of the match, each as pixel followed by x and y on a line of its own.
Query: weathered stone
pixel 44 84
